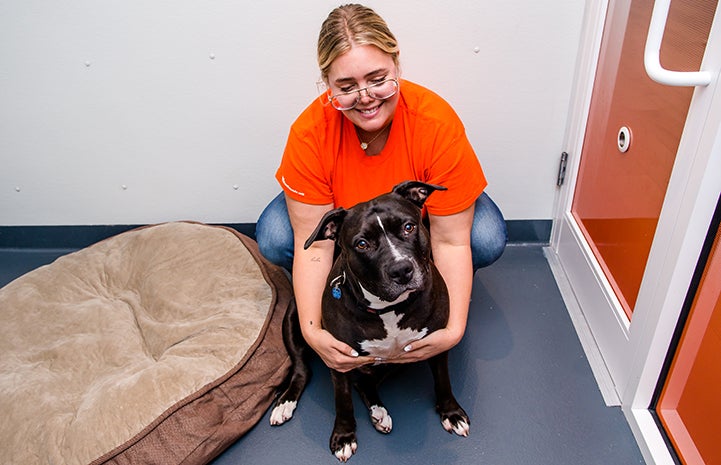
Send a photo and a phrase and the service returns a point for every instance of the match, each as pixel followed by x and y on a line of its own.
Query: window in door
pixel 619 194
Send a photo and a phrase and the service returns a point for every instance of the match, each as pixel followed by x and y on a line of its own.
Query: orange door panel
pixel 619 195
pixel 690 404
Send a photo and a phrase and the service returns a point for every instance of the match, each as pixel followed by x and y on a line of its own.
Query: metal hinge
pixel 562 169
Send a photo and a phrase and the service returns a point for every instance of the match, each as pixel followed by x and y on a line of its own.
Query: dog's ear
pixel 327 227
pixel 416 191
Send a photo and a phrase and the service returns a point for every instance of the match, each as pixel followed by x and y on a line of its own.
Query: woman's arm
pixel 451 245
pixel 310 272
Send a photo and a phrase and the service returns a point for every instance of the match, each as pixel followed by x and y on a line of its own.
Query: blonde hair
pixel 350 25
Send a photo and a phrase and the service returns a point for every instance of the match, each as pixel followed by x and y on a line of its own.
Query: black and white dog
pixel 383 293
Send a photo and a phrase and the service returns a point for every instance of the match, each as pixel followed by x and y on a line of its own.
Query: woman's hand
pixel 431 345
pixel 335 354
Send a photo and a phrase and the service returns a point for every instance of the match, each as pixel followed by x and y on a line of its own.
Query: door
pixel 690 405
pixel 643 177
pixel 632 137
pixel 629 150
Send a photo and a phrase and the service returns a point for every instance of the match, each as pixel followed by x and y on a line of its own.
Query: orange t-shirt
pixel 323 162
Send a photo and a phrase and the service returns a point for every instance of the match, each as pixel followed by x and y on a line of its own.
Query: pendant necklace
pixel 364 145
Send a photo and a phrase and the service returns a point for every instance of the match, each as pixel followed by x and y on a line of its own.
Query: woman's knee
pixel 274 234
pixel 488 235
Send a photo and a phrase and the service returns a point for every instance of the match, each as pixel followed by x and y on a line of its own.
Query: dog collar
pixel 378 311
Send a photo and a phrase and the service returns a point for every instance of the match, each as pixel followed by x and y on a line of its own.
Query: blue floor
pixel 519 372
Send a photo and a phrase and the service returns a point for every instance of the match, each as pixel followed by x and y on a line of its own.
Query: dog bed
pixel 161 345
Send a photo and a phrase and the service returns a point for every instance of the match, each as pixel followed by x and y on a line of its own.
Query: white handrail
pixel 653 47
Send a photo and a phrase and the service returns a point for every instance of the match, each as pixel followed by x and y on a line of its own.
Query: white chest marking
pixel 377 303
pixel 396 338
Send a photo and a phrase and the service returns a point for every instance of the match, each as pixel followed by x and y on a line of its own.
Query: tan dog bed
pixel 159 345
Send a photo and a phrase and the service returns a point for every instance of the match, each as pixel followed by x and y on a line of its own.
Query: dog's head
pixel 384 242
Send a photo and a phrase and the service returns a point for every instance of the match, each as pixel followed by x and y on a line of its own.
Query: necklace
pixel 364 145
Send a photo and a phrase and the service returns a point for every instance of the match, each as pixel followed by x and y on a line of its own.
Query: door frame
pixel 694 188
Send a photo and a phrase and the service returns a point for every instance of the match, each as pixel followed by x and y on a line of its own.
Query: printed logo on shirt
pixel 282 178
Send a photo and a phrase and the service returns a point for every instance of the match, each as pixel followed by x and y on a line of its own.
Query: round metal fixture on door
pixel 624 139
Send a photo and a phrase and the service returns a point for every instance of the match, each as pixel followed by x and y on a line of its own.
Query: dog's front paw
pixel 456 421
pixel 282 412
pixel 343 445
pixel 382 421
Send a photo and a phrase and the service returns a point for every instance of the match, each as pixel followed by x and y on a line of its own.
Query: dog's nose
pixel 401 272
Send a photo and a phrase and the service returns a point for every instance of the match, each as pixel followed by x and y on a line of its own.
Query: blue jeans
pixel 488 234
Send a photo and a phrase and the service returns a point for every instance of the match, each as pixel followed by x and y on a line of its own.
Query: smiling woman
pixel 380 89
pixel 350 85
pixel 369 131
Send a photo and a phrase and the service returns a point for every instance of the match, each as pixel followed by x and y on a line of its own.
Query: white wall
pixel 114 112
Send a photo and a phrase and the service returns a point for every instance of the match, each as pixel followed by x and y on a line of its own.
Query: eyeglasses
pixel 348 100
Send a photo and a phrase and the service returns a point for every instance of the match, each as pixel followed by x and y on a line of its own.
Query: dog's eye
pixel 362 244
pixel 409 228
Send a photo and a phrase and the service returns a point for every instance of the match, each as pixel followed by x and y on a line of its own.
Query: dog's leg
pixel 300 372
pixel 343 440
pixel 367 385
pixel 453 418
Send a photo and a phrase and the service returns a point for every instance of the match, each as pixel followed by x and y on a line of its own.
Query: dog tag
pixel 335 286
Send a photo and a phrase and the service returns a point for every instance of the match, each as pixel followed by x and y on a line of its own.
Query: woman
pixel 369 131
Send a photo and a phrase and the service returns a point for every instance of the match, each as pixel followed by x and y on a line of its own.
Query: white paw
pixel 282 413
pixel 461 429
pixel 346 452
pixel 382 421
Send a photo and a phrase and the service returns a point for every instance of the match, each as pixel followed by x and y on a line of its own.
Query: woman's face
pixel 360 67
